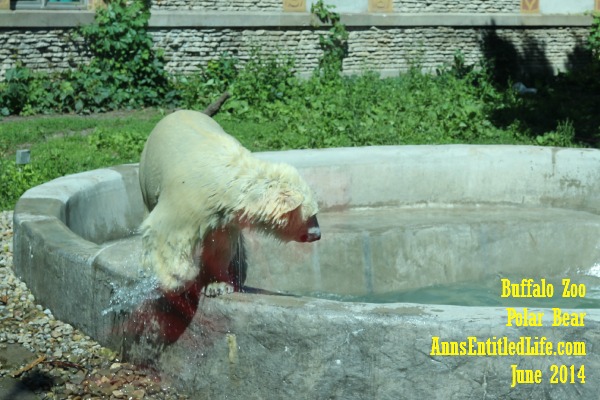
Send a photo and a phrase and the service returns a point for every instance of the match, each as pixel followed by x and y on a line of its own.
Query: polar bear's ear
pixel 278 202
pixel 272 204
pixel 290 200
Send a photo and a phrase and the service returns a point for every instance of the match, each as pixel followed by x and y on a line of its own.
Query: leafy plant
pixel 265 79
pixel 594 37
pixel 262 81
pixel 122 145
pixel 14 180
pixel 15 90
pixel 334 44
pixel 198 91
pixel 125 71
pixel 563 136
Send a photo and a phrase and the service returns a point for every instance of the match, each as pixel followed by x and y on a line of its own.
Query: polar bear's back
pixel 182 146
pixel 191 131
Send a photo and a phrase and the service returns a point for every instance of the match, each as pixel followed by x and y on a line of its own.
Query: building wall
pixel 404 6
pixel 448 6
pixel 218 5
pixel 388 50
pixel 193 32
pixel 40 49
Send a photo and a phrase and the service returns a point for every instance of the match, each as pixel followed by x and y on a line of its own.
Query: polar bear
pixel 200 187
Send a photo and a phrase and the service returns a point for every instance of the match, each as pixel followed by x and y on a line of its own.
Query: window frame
pixel 48 5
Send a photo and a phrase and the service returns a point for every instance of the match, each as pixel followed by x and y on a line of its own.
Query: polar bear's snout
pixel 313 232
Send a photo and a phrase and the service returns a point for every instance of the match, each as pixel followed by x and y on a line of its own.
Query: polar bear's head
pixel 281 202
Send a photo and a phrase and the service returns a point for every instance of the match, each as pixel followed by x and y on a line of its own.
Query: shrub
pixel 265 79
pixel 14 180
pixel 125 71
pixel 198 91
pixel 594 37
pixel 122 145
pixel 334 44
pixel 15 90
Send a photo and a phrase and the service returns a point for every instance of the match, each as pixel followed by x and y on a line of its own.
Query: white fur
pixel 197 180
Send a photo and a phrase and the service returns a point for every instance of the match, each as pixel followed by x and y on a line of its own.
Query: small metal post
pixel 23 157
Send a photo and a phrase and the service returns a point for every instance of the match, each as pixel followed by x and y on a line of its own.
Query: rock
pixel 76 367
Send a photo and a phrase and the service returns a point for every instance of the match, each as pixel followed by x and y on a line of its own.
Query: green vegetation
pixel 124 73
pixel 270 108
pixel 334 45
pixel 63 145
pixel 594 38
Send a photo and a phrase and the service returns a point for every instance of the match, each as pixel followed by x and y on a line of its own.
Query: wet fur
pixel 200 188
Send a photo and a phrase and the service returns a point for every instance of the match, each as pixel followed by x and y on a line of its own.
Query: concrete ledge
pixel 45 19
pixel 265 19
pixel 465 20
pixel 221 19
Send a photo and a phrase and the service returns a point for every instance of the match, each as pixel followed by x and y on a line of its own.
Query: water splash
pixel 593 271
pixel 126 298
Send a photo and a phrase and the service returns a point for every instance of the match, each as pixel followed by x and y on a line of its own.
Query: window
pixel 48 4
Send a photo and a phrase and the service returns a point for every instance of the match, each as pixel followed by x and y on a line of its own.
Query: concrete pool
pixel 395 219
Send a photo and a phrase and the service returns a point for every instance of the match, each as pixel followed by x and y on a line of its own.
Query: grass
pixel 66 144
pixel 454 106
pixel 37 132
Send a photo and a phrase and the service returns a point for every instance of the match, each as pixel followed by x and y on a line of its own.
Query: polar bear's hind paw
pixel 215 289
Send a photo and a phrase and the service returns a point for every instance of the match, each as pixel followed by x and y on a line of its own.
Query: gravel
pixel 42 357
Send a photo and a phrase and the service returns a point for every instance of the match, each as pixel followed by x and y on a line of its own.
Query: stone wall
pixel 387 50
pixel 218 5
pixel 186 50
pixel 384 49
pixel 40 49
pixel 193 32
pixel 464 6
pixel 394 49
pixel 400 6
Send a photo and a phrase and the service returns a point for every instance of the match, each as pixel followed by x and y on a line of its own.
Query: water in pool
pixel 484 293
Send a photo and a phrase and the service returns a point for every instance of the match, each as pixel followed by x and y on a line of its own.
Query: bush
pixel 334 44
pixel 454 106
pixel 123 145
pixel 593 43
pixel 265 79
pixel 262 79
pixel 198 91
pixel 14 92
pixel 15 180
pixel 124 73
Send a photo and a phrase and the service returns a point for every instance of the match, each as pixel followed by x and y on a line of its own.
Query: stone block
pixel 530 6
pixel 294 5
pixel 381 6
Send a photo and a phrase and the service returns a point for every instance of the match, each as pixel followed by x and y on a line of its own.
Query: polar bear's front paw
pixel 217 289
